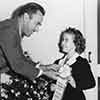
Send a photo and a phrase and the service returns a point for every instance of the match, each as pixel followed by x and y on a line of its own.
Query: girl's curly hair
pixel 79 40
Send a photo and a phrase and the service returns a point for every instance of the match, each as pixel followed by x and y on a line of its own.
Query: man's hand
pixel 49 70
pixel 43 67
pixel 53 67
pixel 52 74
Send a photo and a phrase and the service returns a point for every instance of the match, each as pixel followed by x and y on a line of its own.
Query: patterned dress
pixel 16 87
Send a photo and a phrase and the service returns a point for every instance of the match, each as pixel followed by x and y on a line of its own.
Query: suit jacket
pixel 81 72
pixel 11 53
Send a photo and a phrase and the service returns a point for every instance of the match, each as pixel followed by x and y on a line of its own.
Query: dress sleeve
pixel 84 78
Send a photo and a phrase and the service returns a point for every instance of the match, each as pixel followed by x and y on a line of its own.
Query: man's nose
pixel 37 29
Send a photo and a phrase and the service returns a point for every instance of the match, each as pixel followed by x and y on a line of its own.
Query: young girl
pixel 72 44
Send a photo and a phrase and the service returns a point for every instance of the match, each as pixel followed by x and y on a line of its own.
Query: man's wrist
pixel 37 65
pixel 40 70
pixel 43 67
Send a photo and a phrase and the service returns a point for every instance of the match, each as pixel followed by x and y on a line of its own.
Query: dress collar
pixel 70 61
pixel 73 59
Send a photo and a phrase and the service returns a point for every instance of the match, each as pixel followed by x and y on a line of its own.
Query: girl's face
pixel 67 43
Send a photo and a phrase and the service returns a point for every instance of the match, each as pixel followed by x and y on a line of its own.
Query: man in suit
pixel 24 21
pixel 18 73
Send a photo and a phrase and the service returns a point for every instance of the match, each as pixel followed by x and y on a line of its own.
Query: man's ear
pixel 26 17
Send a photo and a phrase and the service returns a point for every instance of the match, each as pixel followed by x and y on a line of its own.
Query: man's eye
pixel 38 24
pixel 66 40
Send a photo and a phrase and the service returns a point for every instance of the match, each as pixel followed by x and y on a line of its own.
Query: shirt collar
pixel 72 59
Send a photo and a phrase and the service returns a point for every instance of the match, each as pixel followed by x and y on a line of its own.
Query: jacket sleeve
pixel 84 78
pixel 17 61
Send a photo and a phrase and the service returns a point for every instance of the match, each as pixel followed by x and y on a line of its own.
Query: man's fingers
pixel 54 67
pixel 52 74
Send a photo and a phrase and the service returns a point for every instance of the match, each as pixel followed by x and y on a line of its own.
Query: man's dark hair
pixel 79 40
pixel 29 8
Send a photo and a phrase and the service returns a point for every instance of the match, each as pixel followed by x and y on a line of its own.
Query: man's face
pixel 67 43
pixel 32 24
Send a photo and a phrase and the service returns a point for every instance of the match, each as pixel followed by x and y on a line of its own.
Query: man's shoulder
pixel 5 25
pixel 6 29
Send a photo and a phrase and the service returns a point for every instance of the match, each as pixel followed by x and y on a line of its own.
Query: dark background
pixel 98 31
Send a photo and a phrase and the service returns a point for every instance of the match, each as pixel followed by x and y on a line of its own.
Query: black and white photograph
pixel 49 50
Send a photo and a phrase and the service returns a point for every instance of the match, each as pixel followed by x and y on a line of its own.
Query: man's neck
pixel 20 27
